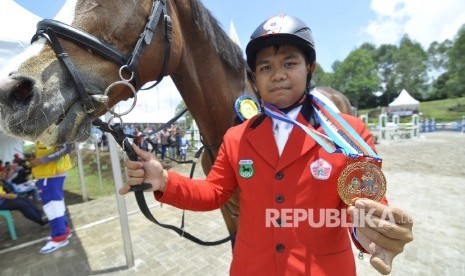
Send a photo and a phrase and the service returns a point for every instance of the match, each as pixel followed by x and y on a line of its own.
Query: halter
pixel 52 30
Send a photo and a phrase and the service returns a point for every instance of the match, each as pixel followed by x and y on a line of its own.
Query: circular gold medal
pixel 361 180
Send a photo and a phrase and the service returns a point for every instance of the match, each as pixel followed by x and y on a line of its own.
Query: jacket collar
pixel 262 140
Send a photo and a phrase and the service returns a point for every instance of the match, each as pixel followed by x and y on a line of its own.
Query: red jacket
pixel 277 184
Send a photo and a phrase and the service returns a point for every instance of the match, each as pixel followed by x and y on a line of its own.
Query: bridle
pixel 52 30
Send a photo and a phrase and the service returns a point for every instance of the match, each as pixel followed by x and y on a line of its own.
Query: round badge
pixel 361 180
pixel 246 107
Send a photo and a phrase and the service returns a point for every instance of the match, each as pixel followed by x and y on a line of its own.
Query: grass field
pixel 449 110
pixel 96 185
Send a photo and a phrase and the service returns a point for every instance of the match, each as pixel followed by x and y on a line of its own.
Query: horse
pixel 109 51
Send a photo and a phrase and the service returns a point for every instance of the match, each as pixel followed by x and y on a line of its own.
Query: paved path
pixel 425 177
pixel 97 247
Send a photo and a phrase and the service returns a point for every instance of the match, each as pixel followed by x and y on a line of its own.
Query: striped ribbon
pixel 340 136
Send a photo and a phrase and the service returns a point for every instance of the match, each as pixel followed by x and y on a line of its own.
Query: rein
pixel 122 139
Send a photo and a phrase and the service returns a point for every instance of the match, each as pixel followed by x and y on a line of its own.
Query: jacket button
pixel 280 247
pixel 279 198
pixel 279 175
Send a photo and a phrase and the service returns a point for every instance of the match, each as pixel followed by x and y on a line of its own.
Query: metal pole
pixel 123 217
pixel 97 154
pixel 81 173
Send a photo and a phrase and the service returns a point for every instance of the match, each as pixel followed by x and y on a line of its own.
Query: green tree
pixel 410 68
pixel 357 77
pixel 384 57
pixel 438 60
pixel 439 90
pixel 438 55
pixel 321 78
pixel 455 85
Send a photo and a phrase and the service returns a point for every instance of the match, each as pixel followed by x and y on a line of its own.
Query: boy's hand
pixel 146 170
pixel 382 230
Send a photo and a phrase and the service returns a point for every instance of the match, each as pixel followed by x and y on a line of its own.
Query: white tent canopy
pixel 404 104
pixel 9 147
pixel 19 25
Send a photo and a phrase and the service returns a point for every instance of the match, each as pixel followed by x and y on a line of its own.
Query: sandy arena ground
pixel 426 178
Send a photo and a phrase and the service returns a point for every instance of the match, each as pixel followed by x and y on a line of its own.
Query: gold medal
pixel 361 179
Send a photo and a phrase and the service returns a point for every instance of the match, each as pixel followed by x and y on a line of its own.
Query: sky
pixel 338 26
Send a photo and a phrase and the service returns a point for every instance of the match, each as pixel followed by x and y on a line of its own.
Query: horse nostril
pixel 23 88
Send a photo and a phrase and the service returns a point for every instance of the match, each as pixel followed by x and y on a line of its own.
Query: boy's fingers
pixel 144 155
pixel 124 190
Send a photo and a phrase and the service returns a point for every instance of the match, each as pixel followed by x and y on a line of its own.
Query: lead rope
pixel 122 139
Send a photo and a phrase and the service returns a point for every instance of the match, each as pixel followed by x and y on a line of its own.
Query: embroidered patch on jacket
pixel 321 169
pixel 246 168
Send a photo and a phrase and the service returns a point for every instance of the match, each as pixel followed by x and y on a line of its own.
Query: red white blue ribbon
pixel 340 137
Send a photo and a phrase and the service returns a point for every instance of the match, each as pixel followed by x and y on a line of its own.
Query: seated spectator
pixel 8 171
pixel 21 173
pixel 18 180
pixel 17 159
pixel 10 201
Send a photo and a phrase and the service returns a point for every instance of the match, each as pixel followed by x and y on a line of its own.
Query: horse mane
pixel 229 51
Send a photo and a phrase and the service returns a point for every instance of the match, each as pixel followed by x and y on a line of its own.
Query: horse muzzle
pixel 24 114
pixel 16 90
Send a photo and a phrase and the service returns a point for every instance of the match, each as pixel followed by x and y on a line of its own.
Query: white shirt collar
pixel 292 114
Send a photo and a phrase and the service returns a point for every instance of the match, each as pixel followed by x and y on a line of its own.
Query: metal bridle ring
pixel 121 73
pixel 122 82
pixel 110 121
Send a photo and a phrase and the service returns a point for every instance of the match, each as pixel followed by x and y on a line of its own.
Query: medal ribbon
pixel 341 137
pixel 320 138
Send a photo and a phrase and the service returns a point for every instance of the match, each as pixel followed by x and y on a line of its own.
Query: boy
pixel 282 171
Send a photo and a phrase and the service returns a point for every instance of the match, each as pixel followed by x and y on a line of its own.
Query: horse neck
pixel 209 92
pixel 206 83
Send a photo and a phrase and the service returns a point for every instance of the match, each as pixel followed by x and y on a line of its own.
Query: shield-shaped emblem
pixel 246 168
pixel 321 169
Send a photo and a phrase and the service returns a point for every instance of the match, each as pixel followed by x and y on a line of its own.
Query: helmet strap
pixel 310 83
pixel 296 104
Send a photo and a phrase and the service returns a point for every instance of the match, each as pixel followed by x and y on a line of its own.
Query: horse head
pixel 76 73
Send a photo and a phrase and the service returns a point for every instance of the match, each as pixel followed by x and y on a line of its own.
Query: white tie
pixel 280 135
